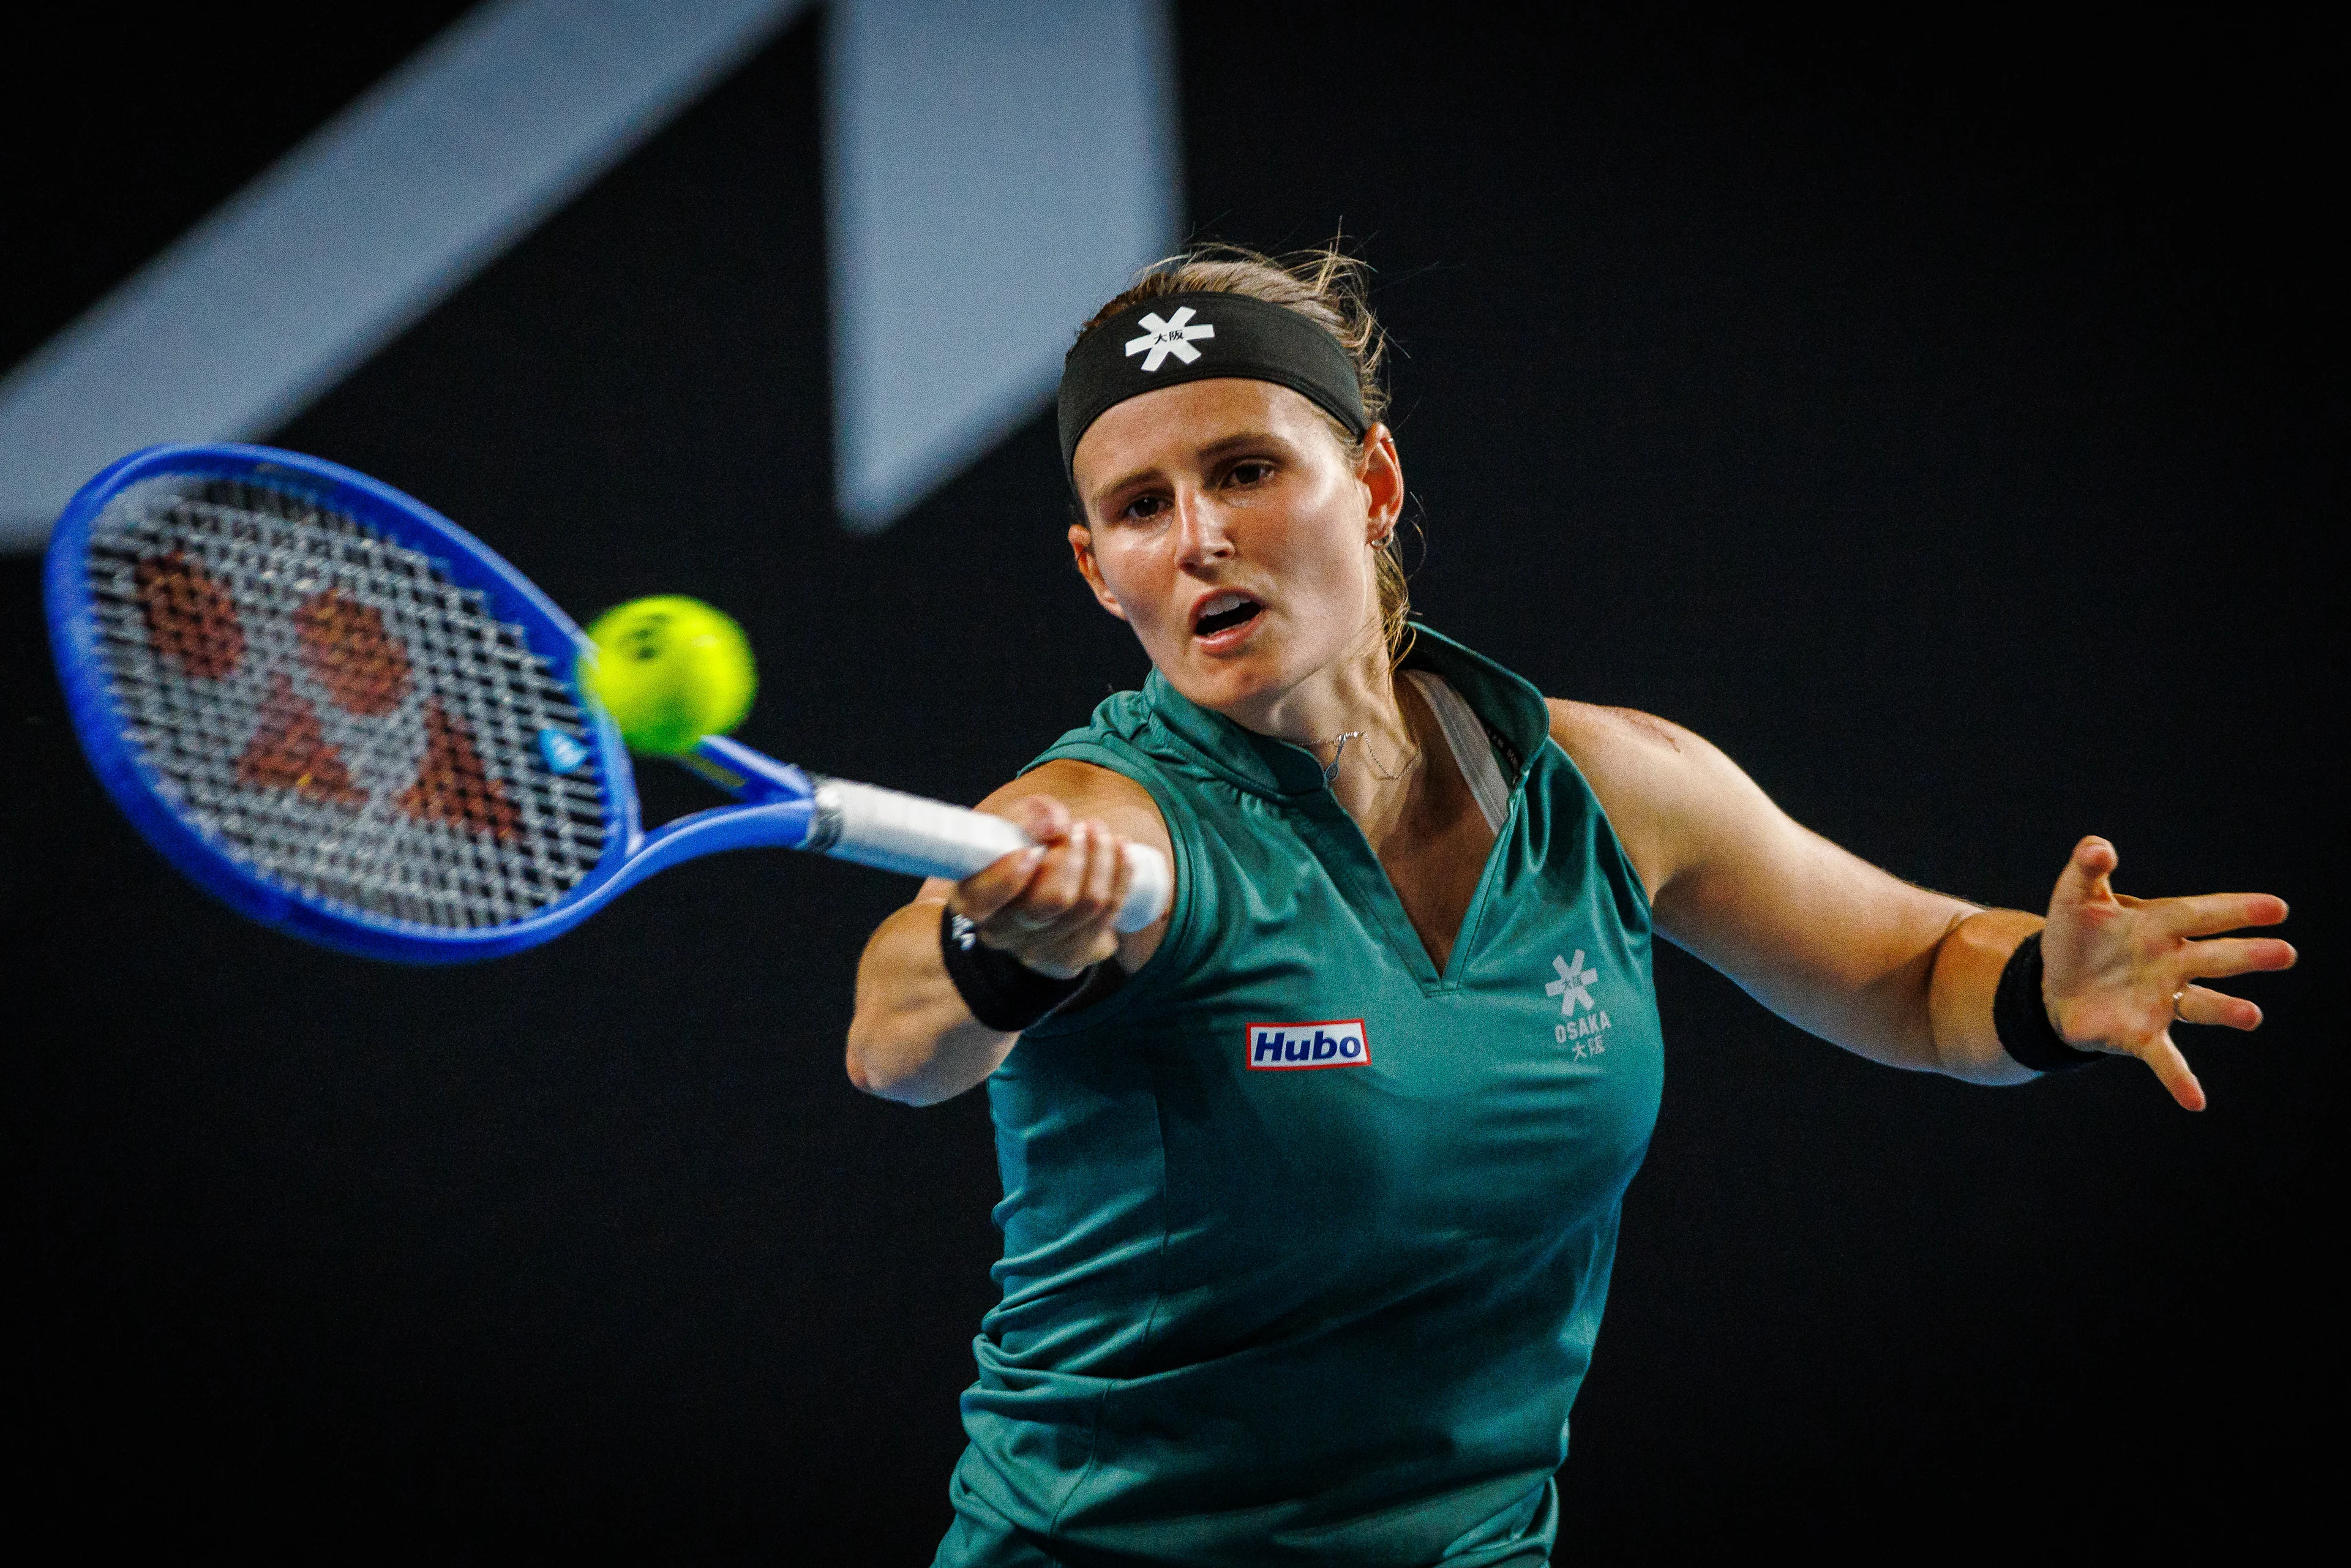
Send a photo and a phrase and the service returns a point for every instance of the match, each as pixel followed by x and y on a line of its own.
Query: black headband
pixel 1179 338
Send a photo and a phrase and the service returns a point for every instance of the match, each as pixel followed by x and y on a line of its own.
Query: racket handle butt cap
pixel 1148 888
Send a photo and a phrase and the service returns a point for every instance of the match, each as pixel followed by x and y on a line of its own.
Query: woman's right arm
pixel 913 1039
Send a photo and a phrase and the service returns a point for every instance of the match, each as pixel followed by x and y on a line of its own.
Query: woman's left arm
pixel 1887 969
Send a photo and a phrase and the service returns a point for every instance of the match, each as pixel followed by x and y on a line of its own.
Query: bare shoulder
pixel 1107 797
pixel 1616 734
pixel 1657 781
pixel 1623 749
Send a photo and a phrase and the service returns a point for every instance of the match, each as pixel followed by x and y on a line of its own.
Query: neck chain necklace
pixel 1370 756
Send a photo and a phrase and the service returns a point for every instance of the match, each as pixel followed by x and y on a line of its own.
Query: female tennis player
pixel 1311 1189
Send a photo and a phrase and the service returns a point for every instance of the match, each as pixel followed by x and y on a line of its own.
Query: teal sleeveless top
pixel 1305 1243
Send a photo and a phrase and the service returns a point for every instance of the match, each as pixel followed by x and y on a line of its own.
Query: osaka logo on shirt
pixel 1573 987
pixel 1288 1047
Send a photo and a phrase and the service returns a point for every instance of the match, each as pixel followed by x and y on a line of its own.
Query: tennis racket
pixel 349 718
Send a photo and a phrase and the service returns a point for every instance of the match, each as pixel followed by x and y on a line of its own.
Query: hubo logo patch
pixel 1288 1047
pixel 1168 337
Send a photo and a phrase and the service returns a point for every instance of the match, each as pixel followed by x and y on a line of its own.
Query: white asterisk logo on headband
pixel 1166 338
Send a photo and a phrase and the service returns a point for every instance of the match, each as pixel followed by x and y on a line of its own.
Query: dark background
pixel 1942 418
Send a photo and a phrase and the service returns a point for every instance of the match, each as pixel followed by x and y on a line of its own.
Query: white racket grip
pixel 883 827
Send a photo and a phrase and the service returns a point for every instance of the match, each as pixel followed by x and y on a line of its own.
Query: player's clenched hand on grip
pixel 1051 905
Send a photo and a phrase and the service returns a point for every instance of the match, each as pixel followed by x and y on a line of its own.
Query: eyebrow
pixel 1208 453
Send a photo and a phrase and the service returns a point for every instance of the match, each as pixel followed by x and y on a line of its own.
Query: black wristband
pixel 1001 991
pixel 2022 1019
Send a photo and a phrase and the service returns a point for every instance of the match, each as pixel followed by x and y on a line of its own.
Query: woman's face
pixel 1229 528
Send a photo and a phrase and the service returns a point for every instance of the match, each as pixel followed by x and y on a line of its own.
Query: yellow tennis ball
pixel 670 670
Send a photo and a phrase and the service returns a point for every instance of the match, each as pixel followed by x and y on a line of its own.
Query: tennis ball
pixel 670 670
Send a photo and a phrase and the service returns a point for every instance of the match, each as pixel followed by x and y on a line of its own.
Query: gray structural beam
pixel 994 171
pixel 412 188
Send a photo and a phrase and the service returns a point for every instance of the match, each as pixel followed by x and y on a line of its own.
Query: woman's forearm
pixel 1968 965
pixel 912 1040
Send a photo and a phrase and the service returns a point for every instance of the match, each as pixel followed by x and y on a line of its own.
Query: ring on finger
pixel 2176 997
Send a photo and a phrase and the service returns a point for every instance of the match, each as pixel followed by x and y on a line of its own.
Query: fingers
pixel 1041 817
pixel 2214 913
pixel 2218 1008
pixel 1059 891
pixel 1108 877
pixel 2171 1070
pixel 1103 884
pixel 980 895
pixel 2122 959
pixel 2224 955
pixel 1058 919
pixel 2085 878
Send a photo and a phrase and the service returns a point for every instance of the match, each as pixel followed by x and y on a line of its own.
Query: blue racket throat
pixel 780 812
pixel 347 718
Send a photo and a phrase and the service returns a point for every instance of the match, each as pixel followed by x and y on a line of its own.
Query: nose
pixel 1200 538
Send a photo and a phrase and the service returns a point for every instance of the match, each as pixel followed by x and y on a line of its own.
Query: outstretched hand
pixel 2118 972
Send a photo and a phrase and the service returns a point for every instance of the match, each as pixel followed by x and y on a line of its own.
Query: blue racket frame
pixel 776 796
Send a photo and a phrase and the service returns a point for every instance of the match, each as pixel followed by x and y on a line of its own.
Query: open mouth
pixel 1224 612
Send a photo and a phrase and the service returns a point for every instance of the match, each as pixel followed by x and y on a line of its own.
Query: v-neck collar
pixel 1279 770
pixel 1288 774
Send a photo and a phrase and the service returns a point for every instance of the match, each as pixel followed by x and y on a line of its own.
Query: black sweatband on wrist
pixel 2022 1019
pixel 1001 991
pixel 1203 336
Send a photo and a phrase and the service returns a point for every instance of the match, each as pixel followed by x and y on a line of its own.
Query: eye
pixel 1144 507
pixel 1250 471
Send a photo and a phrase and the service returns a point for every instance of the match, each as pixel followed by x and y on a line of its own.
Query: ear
pixel 1380 471
pixel 1081 545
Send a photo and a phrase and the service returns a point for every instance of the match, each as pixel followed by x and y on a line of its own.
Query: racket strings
pixel 326 708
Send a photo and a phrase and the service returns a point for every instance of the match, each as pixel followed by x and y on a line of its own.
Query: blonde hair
pixel 1329 287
